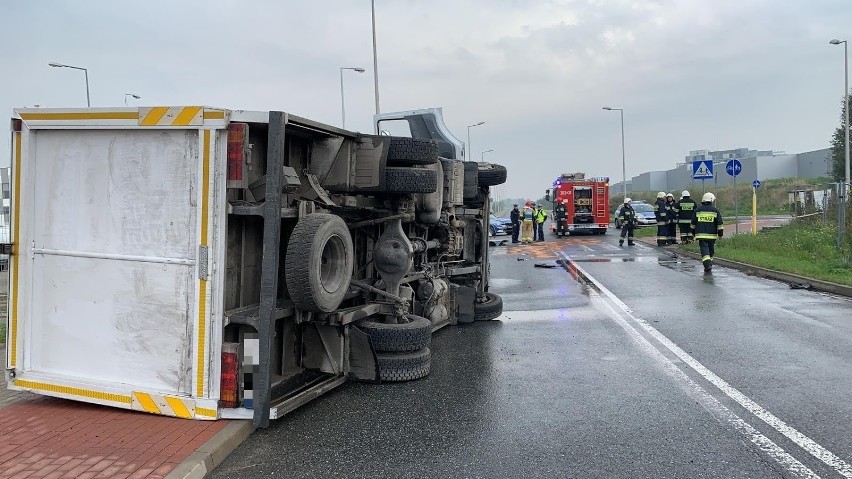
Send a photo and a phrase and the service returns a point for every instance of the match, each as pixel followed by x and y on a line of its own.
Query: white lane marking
pixel 788 431
pixel 709 403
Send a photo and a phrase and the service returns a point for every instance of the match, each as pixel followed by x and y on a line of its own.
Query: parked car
pixel 644 214
pixel 500 225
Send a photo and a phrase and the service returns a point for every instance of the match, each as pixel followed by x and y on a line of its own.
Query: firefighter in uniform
pixel 685 210
pixel 560 213
pixel 515 218
pixel 659 212
pixel 540 218
pixel 627 216
pixel 707 226
pixel 527 225
pixel 671 219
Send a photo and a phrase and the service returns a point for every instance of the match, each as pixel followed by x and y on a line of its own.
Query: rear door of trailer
pixel 113 266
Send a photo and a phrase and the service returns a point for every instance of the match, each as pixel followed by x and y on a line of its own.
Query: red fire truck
pixel 579 204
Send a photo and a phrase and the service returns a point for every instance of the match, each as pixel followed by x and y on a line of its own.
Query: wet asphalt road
pixel 661 372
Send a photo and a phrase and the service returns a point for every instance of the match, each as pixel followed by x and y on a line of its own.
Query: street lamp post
pixel 469 150
pixel 60 65
pixel 375 60
pixel 623 162
pixel 135 97
pixel 844 190
pixel 342 102
pixel 482 156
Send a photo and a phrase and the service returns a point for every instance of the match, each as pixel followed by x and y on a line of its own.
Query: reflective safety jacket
pixel 627 216
pixel 707 222
pixel 670 213
pixel 540 215
pixel 685 210
pixel 528 214
pixel 660 210
pixel 560 212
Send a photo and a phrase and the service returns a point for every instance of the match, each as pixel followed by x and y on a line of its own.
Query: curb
pixel 213 452
pixel 826 286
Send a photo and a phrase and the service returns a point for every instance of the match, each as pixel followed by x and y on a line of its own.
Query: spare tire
pixel 401 337
pixel 410 180
pixel 412 151
pixel 318 263
pixel 491 174
pixel 398 367
pixel 491 308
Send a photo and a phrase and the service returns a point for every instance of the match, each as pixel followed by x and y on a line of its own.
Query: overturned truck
pixel 209 263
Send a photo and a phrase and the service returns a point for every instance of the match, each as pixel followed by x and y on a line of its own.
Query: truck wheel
pixel 471 180
pixel 319 260
pixel 410 180
pixel 412 151
pixel 402 337
pixel 491 174
pixel 490 309
pixel 398 367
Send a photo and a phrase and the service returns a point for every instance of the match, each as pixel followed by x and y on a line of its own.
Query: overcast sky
pixel 714 74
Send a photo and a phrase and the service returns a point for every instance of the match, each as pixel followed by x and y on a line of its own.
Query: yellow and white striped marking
pixel 164 405
pixel 201 363
pixel 171 116
pixel 72 391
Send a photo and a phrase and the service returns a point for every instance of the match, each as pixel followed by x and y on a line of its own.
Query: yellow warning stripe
pixel 72 391
pixel 13 313
pixel 186 115
pixel 147 403
pixel 154 116
pixel 178 407
pixel 214 115
pixel 107 115
pixel 202 284
pixel 200 411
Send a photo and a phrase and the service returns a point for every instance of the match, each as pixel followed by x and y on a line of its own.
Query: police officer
pixel 535 226
pixel 540 218
pixel 627 216
pixel 659 214
pixel 515 218
pixel 685 211
pixel 671 219
pixel 707 226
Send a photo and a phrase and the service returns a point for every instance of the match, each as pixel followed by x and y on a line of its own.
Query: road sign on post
pixel 756 184
pixel 702 169
pixel 733 167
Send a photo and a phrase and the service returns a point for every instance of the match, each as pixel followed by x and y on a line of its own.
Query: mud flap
pixel 363 365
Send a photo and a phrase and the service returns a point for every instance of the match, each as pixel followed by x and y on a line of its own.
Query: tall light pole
pixel 60 65
pixel 844 190
pixel 135 97
pixel 375 59
pixel 469 150
pixel 623 162
pixel 342 101
pixel 482 156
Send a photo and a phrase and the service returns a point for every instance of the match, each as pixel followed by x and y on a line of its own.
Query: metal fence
pixel 818 202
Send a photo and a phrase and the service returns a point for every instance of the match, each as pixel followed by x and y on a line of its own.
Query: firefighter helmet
pixel 684 193
pixel 661 194
pixel 669 195
pixel 708 198
pixel 626 200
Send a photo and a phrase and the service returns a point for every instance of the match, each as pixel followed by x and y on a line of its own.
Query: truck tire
pixel 319 261
pixel 401 337
pixel 412 151
pixel 471 180
pixel 410 180
pixel 490 309
pixel 398 367
pixel 491 174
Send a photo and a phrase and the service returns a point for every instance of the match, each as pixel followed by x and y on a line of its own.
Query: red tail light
pixel 228 389
pixel 237 150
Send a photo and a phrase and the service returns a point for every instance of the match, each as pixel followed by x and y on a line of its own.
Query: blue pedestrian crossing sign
pixel 733 167
pixel 702 169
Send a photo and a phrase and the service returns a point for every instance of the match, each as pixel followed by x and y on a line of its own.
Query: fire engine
pixel 579 204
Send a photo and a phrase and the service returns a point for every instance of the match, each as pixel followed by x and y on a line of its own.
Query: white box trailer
pixel 152 260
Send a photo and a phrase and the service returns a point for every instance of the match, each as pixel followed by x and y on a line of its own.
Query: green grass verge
pixel 2 332
pixel 803 249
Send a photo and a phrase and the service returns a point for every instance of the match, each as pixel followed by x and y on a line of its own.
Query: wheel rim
pixel 333 264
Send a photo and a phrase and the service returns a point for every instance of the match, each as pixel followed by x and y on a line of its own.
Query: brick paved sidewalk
pixel 56 438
